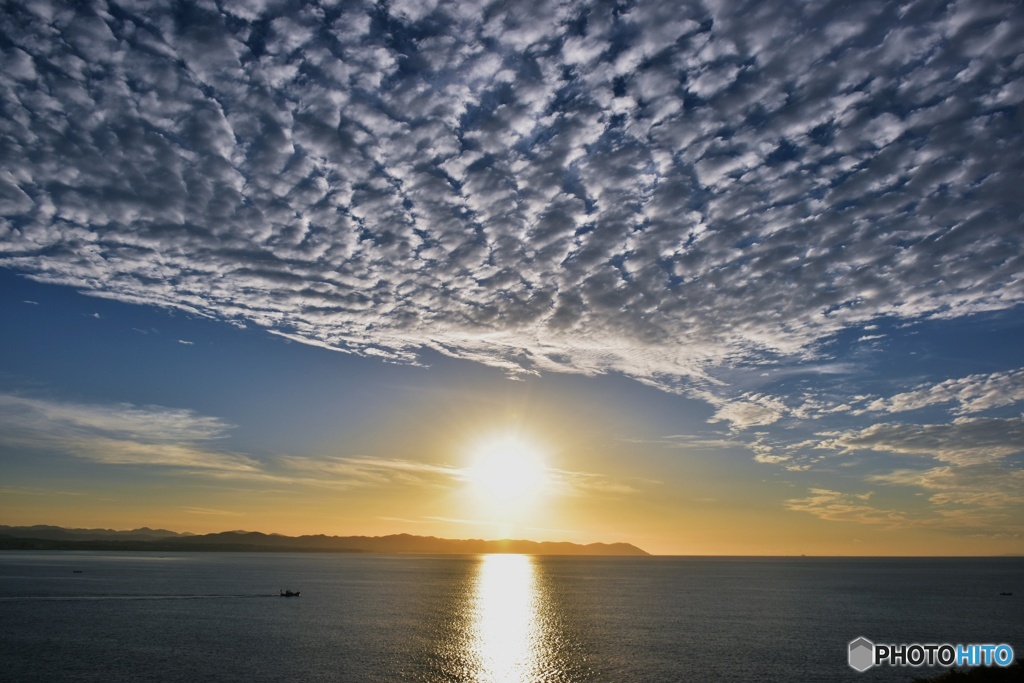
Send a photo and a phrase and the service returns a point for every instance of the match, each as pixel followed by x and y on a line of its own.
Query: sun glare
pixel 507 470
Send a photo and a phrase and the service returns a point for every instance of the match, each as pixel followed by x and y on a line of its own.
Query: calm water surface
pixel 218 616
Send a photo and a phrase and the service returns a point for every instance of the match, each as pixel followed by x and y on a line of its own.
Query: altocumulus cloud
pixel 657 189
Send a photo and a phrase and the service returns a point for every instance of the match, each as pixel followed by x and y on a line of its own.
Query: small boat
pixel 290 594
pixel 76 571
pixel 1006 593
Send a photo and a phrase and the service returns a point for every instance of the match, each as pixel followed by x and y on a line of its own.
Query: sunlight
pixel 507 637
pixel 507 472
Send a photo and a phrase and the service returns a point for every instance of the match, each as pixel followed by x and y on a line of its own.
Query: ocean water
pixel 105 616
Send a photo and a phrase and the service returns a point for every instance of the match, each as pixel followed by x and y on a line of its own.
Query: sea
pixel 145 616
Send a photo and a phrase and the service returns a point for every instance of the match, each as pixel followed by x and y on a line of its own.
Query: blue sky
pixel 760 257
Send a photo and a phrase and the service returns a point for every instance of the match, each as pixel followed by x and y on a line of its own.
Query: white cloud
pixel 971 394
pixel 146 423
pixel 119 434
pixel 749 410
pixel 965 441
pixel 550 186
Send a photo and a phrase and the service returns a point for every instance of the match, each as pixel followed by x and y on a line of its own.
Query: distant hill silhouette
pixel 42 537
pixel 57 533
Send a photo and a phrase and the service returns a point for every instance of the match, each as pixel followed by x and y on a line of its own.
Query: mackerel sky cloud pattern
pixel 649 188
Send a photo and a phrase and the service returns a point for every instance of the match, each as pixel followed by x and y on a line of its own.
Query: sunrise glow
pixel 507 472
pixel 686 275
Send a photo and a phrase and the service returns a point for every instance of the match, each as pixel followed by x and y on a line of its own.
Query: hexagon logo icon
pixel 862 654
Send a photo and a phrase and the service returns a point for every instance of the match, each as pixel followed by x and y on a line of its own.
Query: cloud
pixel 794 456
pixel 146 423
pixel 978 486
pixel 771 459
pixel 544 186
pixel 845 507
pixel 972 394
pixel 965 441
pixel 124 434
pixel 365 471
pixel 210 511
pixel 119 434
pixel 589 483
pixel 359 471
pixel 748 410
pixel 122 452
pixel 967 469
pixel 34 491
pixel 687 442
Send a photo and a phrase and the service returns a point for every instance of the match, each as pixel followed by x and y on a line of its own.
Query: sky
pixel 736 277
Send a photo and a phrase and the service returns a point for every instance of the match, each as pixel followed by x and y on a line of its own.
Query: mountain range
pixel 43 537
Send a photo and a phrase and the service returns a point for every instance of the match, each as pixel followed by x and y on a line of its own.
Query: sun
pixel 507 472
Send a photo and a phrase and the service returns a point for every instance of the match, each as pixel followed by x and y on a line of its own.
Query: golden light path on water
pixel 508 640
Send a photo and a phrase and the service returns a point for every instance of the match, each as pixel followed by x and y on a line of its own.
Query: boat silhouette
pixel 290 594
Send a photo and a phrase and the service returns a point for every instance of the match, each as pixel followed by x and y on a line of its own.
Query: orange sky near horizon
pixel 688 506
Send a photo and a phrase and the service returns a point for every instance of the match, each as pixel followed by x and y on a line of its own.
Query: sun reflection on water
pixel 507 636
